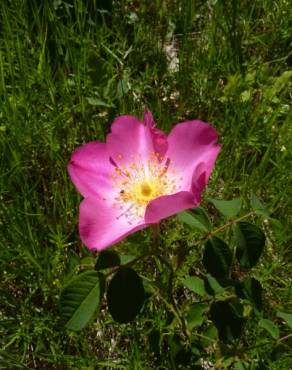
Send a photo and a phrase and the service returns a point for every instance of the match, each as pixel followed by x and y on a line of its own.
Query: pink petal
pixel 148 119
pixel 159 139
pixel 100 225
pixel 90 170
pixel 190 144
pixel 168 205
pixel 199 180
pixel 129 140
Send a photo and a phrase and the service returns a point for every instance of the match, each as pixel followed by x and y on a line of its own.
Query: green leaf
pixel 210 335
pixel 270 327
pixel 227 362
pixel 107 259
pixel 97 102
pixel 80 299
pixel 195 284
pixel 74 260
pixel 196 218
pixel 239 366
pixel 122 88
pixel 217 257
pixel 251 290
pixel 286 316
pixel 125 295
pixel 126 258
pixel 212 286
pixel 227 320
pixel 258 206
pixel 228 208
pixel 195 315
pixel 87 262
pixel 250 241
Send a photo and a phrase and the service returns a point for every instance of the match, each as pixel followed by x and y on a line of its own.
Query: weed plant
pixel 67 69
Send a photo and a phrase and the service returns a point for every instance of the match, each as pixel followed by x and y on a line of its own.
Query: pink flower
pixel 140 176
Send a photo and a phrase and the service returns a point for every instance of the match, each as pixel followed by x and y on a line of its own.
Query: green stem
pixel 150 253
pixel 153 250
pixel 156 230
pixel 228 224
pixel 130 263
pixel 172 300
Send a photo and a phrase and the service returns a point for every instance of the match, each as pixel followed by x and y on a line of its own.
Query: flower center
pixel 146 189
pixel 140 182
pixel 140 191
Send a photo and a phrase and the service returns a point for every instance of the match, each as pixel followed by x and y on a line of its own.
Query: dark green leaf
pixel 270 327
pixel 262 366
pixel 106 259
pixel 258 206
pixel 286 316
pixel 279 351
pixel 181 354
pixel 228 208
pixel 154 341
pixel 195 284
pixel 125 295
pixel 217 257
pixel 196 218
pixel 250 241
pixel 80 299
pixel 251 290
pixel 227 320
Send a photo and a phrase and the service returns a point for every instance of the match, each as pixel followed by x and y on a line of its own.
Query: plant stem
pixel 156 230
pixel 228 224
pixel 172 300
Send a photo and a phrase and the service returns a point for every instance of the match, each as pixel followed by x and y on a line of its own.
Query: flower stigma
pixel 146 189
pixel 141 181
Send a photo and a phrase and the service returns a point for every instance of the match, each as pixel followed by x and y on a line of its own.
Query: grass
pixel 67 69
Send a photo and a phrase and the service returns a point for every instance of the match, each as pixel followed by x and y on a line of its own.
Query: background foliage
pixel 67 68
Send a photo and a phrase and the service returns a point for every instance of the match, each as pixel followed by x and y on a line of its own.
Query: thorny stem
pixel 265 344
pixel 172 309
pixel 172 305
pixel 175 309
pixel 156 230
pixel 129 264
pixel 151 253
pixel 228 224
pixel 284 338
